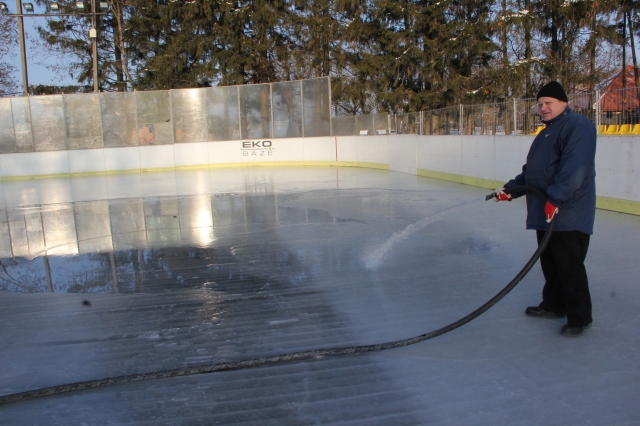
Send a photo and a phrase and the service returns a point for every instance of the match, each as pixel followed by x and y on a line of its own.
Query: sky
pixel 36 61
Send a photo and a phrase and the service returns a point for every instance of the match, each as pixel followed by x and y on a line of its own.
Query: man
pixel 561 162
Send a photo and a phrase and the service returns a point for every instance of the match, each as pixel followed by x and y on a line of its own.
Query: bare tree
pixel 8 40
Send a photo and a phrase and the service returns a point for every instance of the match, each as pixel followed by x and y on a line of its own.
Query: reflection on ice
pixel 122 245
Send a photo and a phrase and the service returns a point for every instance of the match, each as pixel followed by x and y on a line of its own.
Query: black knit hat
pixel 553 89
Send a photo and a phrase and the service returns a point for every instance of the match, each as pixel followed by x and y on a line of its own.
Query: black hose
pixel 297 356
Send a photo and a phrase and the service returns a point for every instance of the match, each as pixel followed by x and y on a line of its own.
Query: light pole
pixel 93 32
pixel 23 52
pixel 93 35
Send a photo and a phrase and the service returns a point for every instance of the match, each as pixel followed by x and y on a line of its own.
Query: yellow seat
pixel 636 130
pixel 538 130
pixel 625 129
pixel 602 128
pixel 612 129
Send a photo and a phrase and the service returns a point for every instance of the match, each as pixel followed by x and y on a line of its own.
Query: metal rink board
pixel 189 115
pixel 344 126
pixel 365 123
pixel 223 120
pixel 84 126
pixel 317 107
pixel 7 135
pixel 255 111
pixel 287 109
pixel 155 125
pixel 118 119
pixel 48 123
pixel 22 124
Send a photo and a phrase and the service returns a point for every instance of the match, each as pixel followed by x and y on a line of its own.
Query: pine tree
pixel 470 47
pixel 398 56
pixel 383 55
pixel 355 78
pixel 67 36
pixel 171 44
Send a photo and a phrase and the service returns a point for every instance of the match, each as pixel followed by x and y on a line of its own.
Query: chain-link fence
pixel 612 111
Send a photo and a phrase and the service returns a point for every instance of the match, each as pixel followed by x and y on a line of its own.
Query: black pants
pixel 566 289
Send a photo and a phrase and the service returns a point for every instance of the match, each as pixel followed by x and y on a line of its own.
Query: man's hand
pixel 550 211
pixel 502 196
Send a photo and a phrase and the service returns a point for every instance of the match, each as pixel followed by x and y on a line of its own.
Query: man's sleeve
pixel 517 181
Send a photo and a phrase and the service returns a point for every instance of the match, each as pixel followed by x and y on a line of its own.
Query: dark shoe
pixel 534 311
pixel 574 330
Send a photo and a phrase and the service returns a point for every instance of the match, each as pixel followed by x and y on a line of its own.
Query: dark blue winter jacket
pixel 561 162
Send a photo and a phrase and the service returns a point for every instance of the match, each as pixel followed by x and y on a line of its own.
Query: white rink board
pixel 487 158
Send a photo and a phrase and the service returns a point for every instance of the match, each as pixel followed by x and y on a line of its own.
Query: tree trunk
pixel 120 83
pixel 554 50
pixel 633 50
pixel 503 48
pixel 527 52
pixel 592 51
pixel 117 8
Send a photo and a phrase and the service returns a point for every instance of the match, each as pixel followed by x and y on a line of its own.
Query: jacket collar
pixel 564 113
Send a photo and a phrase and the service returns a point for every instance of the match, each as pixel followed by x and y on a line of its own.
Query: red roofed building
pixel 614 98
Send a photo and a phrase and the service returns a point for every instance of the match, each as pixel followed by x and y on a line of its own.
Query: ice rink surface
pixel 114 275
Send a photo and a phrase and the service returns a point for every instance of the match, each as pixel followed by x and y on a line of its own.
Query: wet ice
pixel 272 261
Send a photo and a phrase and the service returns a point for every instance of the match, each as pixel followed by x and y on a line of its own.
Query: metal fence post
pixel 302 102
pixel 239 113
pixel 515 117
pixel 135 102
pixel 273 135
pixel 460 127
pixel 330 115
pixel 597 109
pixel 23 50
